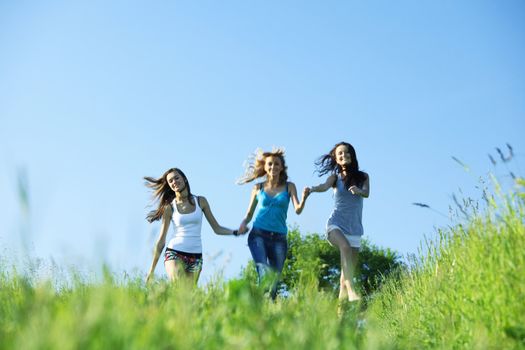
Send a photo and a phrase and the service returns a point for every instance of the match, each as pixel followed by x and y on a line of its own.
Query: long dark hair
pixel 163 193
pixel 255 166
pixel 328 164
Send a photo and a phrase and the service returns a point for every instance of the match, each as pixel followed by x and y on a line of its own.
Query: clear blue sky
pixel 94 95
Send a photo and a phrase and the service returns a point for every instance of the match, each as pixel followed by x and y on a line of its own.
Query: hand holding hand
pixel 306 192
pixel 243 228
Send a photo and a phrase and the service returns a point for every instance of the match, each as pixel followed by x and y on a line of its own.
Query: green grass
pixel 109 314
pixel 465 291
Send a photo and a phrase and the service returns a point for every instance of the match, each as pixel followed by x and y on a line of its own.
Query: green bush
pixel 311 259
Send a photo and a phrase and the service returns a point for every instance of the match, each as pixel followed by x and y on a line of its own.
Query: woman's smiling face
pixel 175 181
pixel 342 155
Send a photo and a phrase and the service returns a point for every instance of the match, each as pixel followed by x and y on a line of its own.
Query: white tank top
pixel 187 229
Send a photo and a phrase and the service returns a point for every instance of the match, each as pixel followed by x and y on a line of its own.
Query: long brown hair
pixel 255 166
pixel 163 193
pixel 327 164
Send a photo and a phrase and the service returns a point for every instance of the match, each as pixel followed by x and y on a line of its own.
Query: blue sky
pixel 94 95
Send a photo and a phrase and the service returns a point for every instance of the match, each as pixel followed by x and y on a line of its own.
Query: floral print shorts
pixel 192 262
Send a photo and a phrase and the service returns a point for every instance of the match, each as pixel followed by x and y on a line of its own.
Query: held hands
pixel 306 192
pixel 243 228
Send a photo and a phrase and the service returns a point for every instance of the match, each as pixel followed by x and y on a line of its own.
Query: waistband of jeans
pixel 268 233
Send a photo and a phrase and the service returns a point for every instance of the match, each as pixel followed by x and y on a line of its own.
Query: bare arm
pixel 330 181
pixel 364 191
pixel 218 229
pixel 161 241
pixel 251 208
pixel 299 206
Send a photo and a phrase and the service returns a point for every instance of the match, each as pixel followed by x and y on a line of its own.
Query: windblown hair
pixel 327 164
pixel 255 166
pixel 163 193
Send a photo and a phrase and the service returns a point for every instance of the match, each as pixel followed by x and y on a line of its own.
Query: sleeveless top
pixel 186 229
pixel 348 210
pixel 272 211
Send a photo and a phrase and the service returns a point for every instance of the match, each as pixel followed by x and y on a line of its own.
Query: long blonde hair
pixel 254 167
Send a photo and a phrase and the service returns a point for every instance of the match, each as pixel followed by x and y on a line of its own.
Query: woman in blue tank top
pixel 344 228
pixel 267 239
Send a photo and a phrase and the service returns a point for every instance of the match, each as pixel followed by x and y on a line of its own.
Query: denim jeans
pixel 269 252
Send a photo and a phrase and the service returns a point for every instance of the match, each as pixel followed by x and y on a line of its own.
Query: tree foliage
pixel 312 259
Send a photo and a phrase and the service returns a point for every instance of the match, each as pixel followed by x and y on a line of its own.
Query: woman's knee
pixel 345 249
pixel 335 237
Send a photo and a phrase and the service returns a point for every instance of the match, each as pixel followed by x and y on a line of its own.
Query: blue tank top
pixel 272 211
pixel 348 210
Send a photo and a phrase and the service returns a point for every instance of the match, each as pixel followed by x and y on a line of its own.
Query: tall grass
pixel 466 291
pixel 127 314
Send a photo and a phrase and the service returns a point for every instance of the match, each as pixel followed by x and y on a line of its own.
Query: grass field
pixel 466 290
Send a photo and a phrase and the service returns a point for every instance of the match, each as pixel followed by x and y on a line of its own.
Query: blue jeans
pixel 269 252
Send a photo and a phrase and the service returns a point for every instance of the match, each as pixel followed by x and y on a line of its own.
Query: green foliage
pixel 113 314
pixel 466 291
pixel 306 261
pixel 312 260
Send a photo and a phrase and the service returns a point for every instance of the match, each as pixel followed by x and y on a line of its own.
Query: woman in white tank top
pixel 178 206
pixel 344 228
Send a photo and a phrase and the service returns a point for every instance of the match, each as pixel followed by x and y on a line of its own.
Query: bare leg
pixel 354 252
pixel 193 277
pixel 348 263
pixel 173 270
pixel 176 272
pixel 343 293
